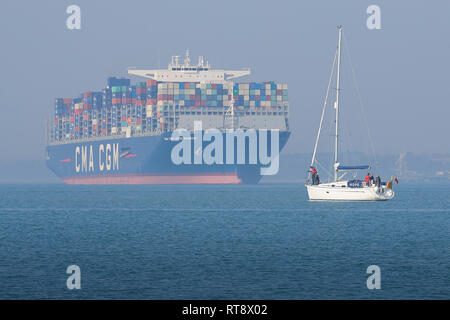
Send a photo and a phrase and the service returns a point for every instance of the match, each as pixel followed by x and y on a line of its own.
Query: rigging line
pixel 322 167
pixel 360 100
pixel 323 113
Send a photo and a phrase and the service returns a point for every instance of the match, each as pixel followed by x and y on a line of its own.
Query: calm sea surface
pixel 221 242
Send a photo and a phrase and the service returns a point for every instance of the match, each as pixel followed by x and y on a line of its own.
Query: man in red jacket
pixel 367 179
pixel 314 174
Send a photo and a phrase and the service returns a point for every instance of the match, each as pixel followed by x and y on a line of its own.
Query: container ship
pixel 124 134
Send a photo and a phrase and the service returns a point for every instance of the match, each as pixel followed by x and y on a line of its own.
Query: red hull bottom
pixel 211 178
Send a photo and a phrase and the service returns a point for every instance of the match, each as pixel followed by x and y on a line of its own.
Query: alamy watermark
pixel 74 280
pixel 374 280
pixel 74 20
pixel 213 153
pixel 374 20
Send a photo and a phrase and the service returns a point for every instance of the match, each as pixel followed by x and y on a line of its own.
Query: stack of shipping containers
pixel 150 106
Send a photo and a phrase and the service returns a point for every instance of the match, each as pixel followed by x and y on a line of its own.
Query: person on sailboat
pixel 378 181
pixel 367 179
pixel 315 176
pixel 372 180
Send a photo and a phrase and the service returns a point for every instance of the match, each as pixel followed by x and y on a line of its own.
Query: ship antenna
pixel 187 60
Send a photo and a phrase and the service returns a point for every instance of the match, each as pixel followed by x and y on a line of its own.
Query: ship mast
pixel 336 106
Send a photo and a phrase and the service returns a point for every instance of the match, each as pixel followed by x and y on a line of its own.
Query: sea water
pixel 261 241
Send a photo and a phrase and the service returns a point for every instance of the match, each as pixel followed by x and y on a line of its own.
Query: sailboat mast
pixel 336 106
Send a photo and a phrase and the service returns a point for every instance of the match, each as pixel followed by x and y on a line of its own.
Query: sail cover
pixel 343 168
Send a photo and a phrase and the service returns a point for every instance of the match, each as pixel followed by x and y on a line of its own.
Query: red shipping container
pixel 129 120
pixel 72 119
pixel 67 100
pixel 77 129
pixel 85 117
pixel 138 121
pixel 267 98
pixel 203 103
pixel 124 118
pixel 87 94
pixel 197 103
pixel 56 121
pixel 151 83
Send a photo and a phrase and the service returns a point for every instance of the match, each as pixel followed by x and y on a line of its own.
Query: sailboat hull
pixel 340 192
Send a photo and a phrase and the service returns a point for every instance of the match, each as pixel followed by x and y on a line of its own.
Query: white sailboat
pixel 340 189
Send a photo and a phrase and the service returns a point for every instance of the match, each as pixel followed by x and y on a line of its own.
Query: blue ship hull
pixel 144 160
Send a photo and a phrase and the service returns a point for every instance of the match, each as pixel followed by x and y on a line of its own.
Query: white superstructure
pixel 185 72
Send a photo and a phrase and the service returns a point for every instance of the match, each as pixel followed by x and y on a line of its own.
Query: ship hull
pixel 339 191
pixel 144 160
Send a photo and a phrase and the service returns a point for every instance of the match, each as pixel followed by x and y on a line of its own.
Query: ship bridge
pixel 177 72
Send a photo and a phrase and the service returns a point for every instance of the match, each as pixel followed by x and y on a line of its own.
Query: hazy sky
pixel 403 69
